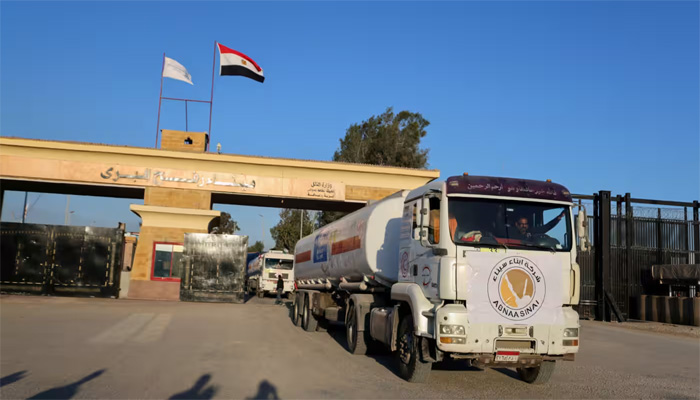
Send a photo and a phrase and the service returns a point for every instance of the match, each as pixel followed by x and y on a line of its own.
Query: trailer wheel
pixel 355 339
pixel 537 375
pixel 309 322
pixel 296 317
pixel 411 368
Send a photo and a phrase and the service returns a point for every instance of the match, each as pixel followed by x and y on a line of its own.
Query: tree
pixel 257 247
pixel 388 139
pixel 223 225
pixel 286 232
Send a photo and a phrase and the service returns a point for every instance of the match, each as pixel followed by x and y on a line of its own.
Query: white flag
pixel 175 70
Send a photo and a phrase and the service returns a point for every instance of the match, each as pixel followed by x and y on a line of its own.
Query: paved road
pixel 98 348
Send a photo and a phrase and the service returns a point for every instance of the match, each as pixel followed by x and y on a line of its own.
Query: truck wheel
pixel 411 368
pixel 355 339
pixel 296 318
pixel 308 322
pixel 260 293
pixel 537 375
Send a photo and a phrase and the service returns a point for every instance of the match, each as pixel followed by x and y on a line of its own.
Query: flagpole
pixel 211 100
pixel 160 100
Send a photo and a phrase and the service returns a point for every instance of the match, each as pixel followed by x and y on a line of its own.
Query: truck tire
pixel 260 293
pixel 355 339
pixel 411 368
pixel 308 322
pixel 296 316
pixel 537 375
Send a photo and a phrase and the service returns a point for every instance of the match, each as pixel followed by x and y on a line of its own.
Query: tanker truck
pixel 472 268
pixel 263 270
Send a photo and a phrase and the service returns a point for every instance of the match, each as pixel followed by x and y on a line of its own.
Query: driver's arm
pixel 549 225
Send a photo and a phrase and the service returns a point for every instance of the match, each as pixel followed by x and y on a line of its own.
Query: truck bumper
pixel 271 286
pixel 482 342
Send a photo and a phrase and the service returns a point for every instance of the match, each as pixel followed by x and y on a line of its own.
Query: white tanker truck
pixel 262 273
pixel 475 268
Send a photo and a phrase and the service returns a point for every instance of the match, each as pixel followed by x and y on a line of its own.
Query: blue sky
pixel 594 95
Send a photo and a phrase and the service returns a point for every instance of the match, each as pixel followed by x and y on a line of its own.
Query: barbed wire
pixel 678 214
pixel 667 213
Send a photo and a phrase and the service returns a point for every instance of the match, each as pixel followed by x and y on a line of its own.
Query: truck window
pixel 276 263
pixel 415 221
pixel 434 220
pixel 520 224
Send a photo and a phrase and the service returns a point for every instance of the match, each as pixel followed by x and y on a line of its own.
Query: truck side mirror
pixel 582 229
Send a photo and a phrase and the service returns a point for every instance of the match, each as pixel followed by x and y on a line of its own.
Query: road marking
pixel 124 329
pixel 154 330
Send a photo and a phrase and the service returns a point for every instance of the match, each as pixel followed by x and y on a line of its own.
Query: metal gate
pixel 54 259
pixel 628 237
pixel 214 268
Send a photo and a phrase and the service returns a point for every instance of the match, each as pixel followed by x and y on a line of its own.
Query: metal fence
pixel 51 259
pixel 628 238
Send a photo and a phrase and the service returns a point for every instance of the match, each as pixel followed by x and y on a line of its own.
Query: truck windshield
pixel 520 224
pixel 276 263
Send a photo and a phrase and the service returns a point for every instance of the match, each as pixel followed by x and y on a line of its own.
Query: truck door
pixel 425 265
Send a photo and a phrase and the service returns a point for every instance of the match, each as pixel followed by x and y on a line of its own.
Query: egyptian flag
pixel 236 63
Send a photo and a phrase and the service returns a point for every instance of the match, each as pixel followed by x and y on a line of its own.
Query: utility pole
pixel 262 228
pixel 66 220
pixel 301 224
pixel 24 209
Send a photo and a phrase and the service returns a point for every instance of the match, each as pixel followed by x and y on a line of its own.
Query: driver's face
pixel 522 225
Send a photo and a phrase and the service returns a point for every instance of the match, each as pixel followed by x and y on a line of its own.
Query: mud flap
pixel 429 351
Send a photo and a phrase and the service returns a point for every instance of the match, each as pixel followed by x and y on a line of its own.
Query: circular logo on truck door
pixel 516 288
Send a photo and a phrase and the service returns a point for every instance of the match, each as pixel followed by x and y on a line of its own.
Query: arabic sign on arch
pixel 129 175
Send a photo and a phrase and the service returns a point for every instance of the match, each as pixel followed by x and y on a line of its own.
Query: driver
pixel 522 225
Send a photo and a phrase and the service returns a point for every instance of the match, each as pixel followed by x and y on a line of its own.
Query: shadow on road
pixel 68 391
pixel 199 390
pixel 290 309
pixel 508 372
pixel 266 391
pixel 12 378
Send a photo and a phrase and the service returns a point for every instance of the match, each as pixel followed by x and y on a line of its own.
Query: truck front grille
pixel 521 345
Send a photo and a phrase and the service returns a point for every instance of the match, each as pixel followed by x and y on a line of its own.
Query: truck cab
pixel 488 270
pixel 263 271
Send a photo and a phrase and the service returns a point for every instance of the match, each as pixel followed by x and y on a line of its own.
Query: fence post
pixel 629 242
pixel 602 243
pixel 659 238
pixel 696 231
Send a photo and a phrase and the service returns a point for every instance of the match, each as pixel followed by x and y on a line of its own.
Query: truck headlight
pixel 452 330
pixel 571 332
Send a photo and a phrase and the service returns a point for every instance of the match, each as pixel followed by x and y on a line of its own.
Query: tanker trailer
pixel 475 268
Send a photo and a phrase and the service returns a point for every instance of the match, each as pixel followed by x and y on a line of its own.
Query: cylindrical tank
pixel 254 266
pixel 364 243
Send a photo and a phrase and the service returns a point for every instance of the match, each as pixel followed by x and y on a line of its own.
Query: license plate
pixel 507 356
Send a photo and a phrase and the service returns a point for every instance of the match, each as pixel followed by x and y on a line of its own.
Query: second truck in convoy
pixel 475 268
pixel 262 272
